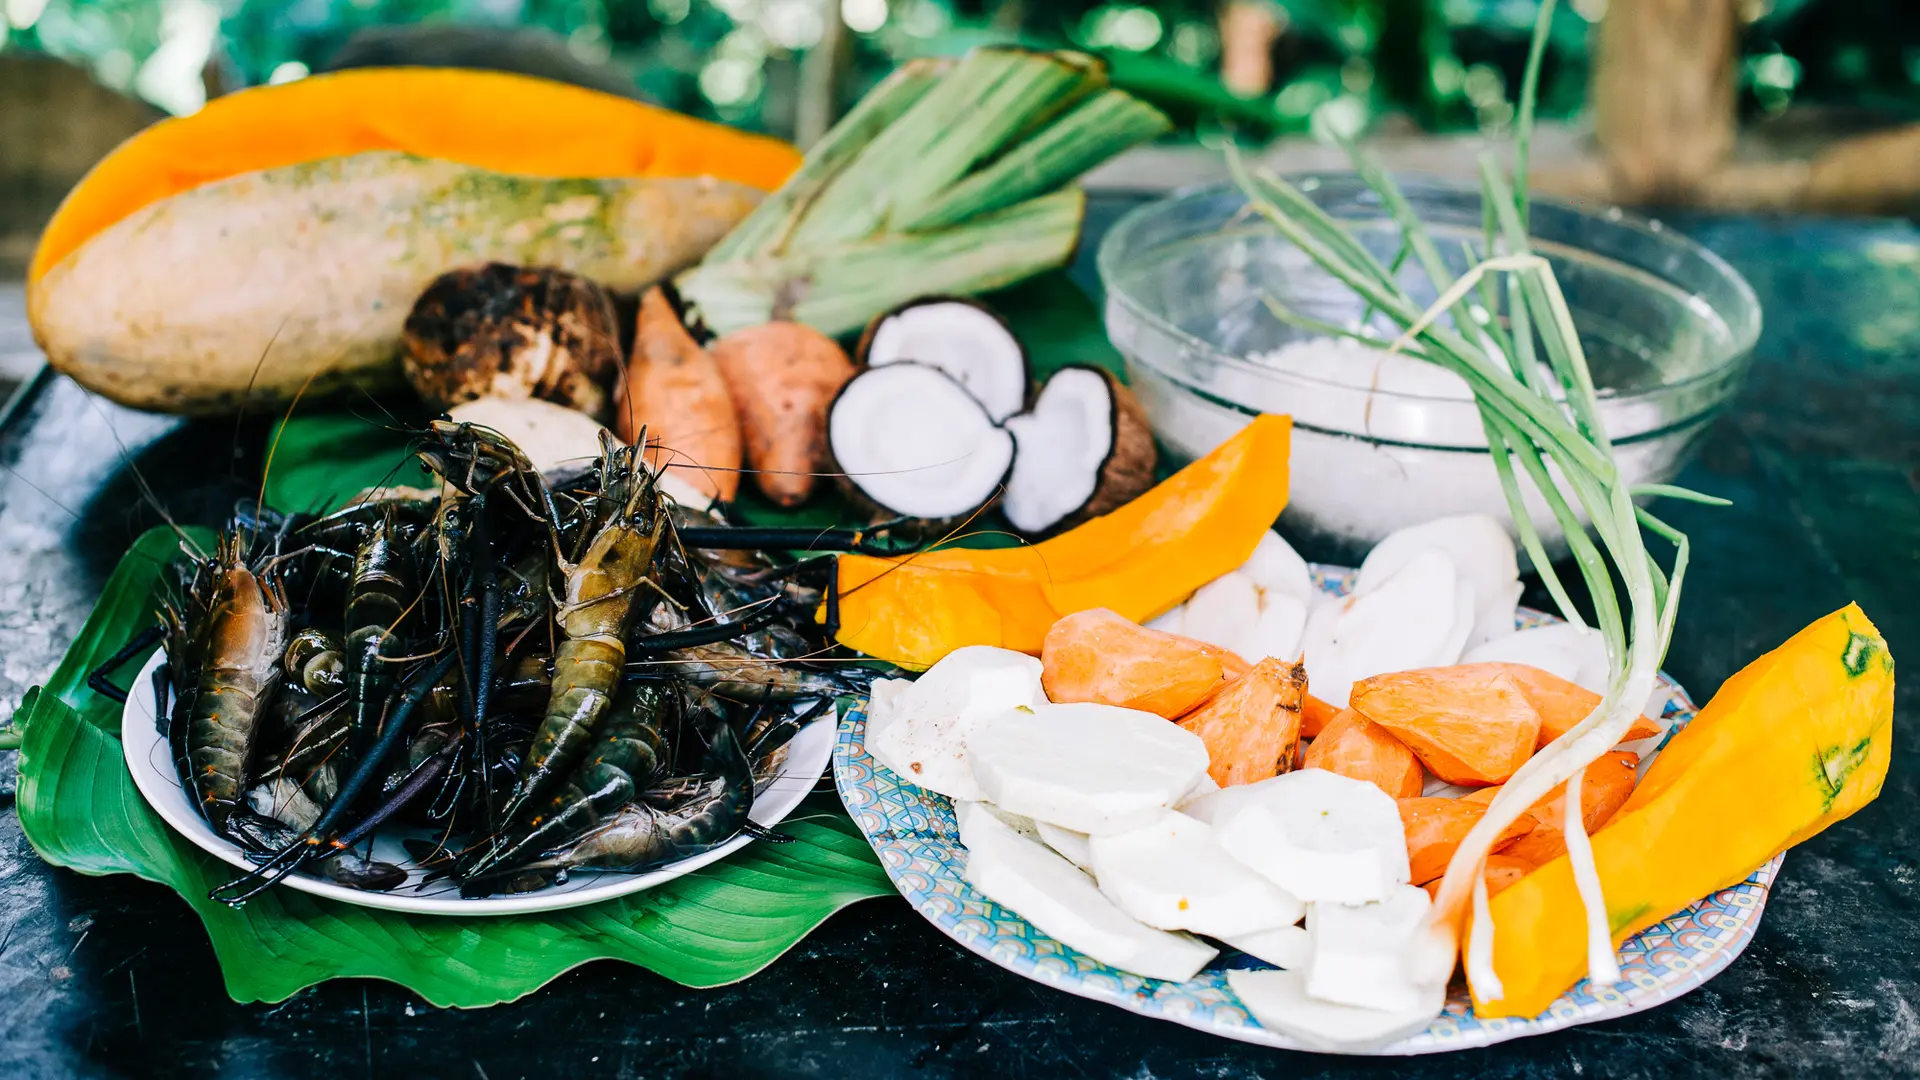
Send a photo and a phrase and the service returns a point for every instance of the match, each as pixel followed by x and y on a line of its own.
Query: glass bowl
pixel 1667 326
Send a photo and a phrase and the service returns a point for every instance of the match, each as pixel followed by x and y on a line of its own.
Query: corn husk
pixel 944 179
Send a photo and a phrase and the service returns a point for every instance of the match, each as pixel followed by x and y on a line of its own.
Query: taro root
pixel 515 332
pixel 908 439
pixel 1084 450
pixel 959 337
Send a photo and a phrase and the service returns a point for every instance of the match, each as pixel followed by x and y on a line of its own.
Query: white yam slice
pixel 964 810
pixel 1202 787
pixel 1172 875
pixel 557 441
pixel 883 703
pixel 925 742
pixel 1277 632
pixel 1072 846
pixel 1318 835
pixel 910 440
pixel 1095 769
pixel 1480 550
pixel 1462 623
pixel 1025 877
pixel 1278 569
pixel 1283 946
pixel 1403 623
pixel 963 339
pixel 1224 611
pixel 1278 999
pixel 1560 649
pixel 1173 622
pixel 1360 952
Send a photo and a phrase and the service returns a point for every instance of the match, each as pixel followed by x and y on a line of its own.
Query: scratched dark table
pixel 1821 454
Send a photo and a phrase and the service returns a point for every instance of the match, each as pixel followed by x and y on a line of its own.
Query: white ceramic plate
pixel 151 764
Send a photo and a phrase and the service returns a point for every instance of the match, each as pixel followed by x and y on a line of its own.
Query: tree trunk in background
pixel 1248 29
pixel 1663 94
pixel 823 74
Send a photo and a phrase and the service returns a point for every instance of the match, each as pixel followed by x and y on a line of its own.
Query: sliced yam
pixel 1172 875
pixel 1560 648
pixel 925 739
pixel 1279 1000
pixel 1435 828
pixel 1224 611
pixel 1315 715
pixel 1095 769
pixel 1353 746
pixel 883 704
pixel 1481 552
pixel 1098 656
pixel 1463 600
pixel 1252 724
pixel 1025 877
pixel 1071 845
pixel 1561 704
pixel 1468 726
pixel 1315 834
pixel 1407 622
pixel 1603 791
pixel 1084 450
pixel 1283 946
pixel 1279 570
pixel 1171 621
pixel 1500 871
pixel 907 439
pixel 965 809
pixel 1277 632
pixel 1359 951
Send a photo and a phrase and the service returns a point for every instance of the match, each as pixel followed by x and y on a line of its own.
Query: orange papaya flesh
pixel 1139 561
pixel 1796 741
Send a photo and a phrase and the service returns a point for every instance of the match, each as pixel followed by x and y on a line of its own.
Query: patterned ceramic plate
pixel 918 842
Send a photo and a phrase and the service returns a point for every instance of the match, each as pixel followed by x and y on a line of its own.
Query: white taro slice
pixel 1095 769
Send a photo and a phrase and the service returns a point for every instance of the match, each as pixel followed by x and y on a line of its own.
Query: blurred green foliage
pixel 1339 64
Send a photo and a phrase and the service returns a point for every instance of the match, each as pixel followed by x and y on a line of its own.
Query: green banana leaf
pixel 720 924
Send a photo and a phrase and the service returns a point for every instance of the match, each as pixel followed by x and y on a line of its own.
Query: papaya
pixel 1138 561
pixel 1795 741
pixel 310 215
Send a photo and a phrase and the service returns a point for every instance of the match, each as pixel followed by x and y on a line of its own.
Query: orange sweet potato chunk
pixel 1604 789
pixel 1561 704
pixel 1353 746
pixel 1468 725
pixel 1251 725
pixel 1435 827
pixel 1500 872
pixel 1101 657
pixel 1314 717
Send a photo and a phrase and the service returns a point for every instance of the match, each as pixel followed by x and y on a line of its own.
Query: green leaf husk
pixel 80 810
pixel 942 181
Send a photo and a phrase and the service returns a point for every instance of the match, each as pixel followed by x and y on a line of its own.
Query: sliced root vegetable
pixel 1403 623
pixel 783 377
pixel 1317 835
pixel 1097 656
pixel 1558 649
pixel 1085 449
pixel 1481 552
pixel 908 439
pixel 1173 621
pixel 1435 828
pixel 1279 1000
pixel 1283 946
pixel 1604 789
pixel 1468 726
pixel 1278 569
pixel 964 811
pixel 1315 715
pixel 925 741
pixel 1251 726
pixel 883 704
pixel 1360 952
pixel 1500 871
pixel 1277 631
pixel 1352 746
pixel 959 337
pixel 1171 874
pixel 1463 617
pixel 1224 611
pixel 557 441
pixel 1025 877
pixel 512 332
pixel 1096 769
pixel 1072 846
pixel 674 396
pixel 1561 704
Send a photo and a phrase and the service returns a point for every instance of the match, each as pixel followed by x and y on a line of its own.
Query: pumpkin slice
pixel 1561 704
pixel 1501 871
pixel 1603 790
pixel 1436 826
pixel 1353 746
pixel 1098 656
pixel 1468 725
pixel 1251 725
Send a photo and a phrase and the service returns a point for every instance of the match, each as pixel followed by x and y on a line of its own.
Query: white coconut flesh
pixel 916 442
pixel 1063 444
pixel 962 340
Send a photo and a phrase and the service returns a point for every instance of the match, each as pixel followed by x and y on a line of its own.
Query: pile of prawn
pixel 522 676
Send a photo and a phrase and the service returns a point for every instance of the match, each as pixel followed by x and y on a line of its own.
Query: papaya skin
pixel 1797 740
pixel 241 292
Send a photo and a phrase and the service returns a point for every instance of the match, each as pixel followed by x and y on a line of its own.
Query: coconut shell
pixel 512 332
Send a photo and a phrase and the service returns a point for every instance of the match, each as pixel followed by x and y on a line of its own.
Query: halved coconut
pixel 959 337
pixel 909 439
pixel 1084 450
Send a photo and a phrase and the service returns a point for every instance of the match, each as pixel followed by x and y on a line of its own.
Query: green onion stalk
pixel 1551 434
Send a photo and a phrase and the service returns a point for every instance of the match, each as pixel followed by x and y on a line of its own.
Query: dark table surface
pixel 1821 454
